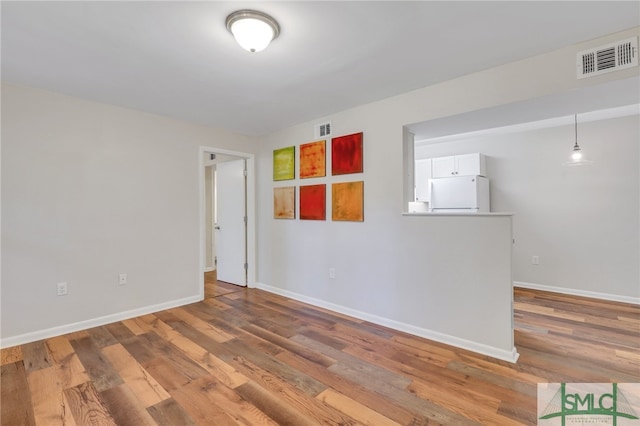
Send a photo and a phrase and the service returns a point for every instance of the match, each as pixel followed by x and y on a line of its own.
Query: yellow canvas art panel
pixel 347 201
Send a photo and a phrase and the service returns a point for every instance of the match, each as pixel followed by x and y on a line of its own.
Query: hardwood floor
pixel 249 357
pixel 215 288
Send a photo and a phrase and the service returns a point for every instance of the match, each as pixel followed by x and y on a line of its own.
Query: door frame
pixel 204 151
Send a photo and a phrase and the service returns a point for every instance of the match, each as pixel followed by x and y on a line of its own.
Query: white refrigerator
pixel 460 194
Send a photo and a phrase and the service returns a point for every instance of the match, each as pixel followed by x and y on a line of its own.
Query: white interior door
pixel 231 224
pixel 209 211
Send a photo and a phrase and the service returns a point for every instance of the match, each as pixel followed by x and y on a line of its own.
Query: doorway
pixel 227 237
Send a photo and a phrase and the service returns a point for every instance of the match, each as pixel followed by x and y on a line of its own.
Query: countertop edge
pixel 458 214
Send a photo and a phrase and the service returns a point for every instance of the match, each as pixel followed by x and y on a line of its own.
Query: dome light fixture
pixel 252 30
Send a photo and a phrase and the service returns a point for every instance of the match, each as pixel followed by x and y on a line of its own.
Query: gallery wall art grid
pixel 347 198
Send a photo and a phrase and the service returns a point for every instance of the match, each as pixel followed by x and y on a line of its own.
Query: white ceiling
pixel 177 58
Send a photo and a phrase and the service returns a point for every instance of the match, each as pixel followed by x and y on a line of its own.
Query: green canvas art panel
pixel 284 163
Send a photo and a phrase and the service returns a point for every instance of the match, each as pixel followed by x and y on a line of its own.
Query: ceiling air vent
pixel 322 130
pixel 611 57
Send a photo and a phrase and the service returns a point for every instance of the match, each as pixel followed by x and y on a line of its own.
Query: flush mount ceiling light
pixel 252 30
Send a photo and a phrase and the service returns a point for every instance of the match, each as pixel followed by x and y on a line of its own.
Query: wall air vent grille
pixel 322 130
pixel 612 57
pixel 627 52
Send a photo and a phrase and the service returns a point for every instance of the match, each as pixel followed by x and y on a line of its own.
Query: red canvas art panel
pixel 313 202
pixel 346 154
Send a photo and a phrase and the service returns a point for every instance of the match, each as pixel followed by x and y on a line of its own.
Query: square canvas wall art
pixel 313 159
pixel 284 163
pixel 284 202
pixel 313 202
pixel 347 201
pixel 346 154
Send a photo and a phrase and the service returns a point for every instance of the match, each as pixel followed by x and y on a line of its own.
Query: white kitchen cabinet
pixel 422 175
pixel 443 167
pixel 458 165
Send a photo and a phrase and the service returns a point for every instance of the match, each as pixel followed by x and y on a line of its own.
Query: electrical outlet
pixel 535 260
pixel 122 279
pixel 332 273
pixel 61 289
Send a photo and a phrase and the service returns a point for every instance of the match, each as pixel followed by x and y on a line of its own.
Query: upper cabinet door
pixel 443 167
pixel 459 165
pixel 470 165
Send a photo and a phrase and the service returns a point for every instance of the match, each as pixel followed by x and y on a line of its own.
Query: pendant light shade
pixel 252 30
pixel 576 155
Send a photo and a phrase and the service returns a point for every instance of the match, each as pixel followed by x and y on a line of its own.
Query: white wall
pixel 401 269
pixel 433 276
pixel 582 222
pixel 90 191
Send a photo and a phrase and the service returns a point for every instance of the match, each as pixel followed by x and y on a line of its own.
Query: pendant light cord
pixel 576 130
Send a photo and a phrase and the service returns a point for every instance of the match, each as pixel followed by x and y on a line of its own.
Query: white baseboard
pixel 511 356
pixel 583 293
pixel 94 322
pixel 209 269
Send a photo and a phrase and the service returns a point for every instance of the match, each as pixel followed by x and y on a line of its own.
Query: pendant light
pixel 252 30
pixel 576 158
pixel 576 154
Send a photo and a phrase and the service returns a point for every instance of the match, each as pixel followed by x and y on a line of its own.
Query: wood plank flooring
pixel 215 288
pixel 244 356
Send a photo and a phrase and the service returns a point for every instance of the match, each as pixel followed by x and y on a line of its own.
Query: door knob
pixel 217 228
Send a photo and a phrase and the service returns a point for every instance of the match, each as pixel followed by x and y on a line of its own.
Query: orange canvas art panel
pixel 313 159
pixel 284 202
pixel 347 201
